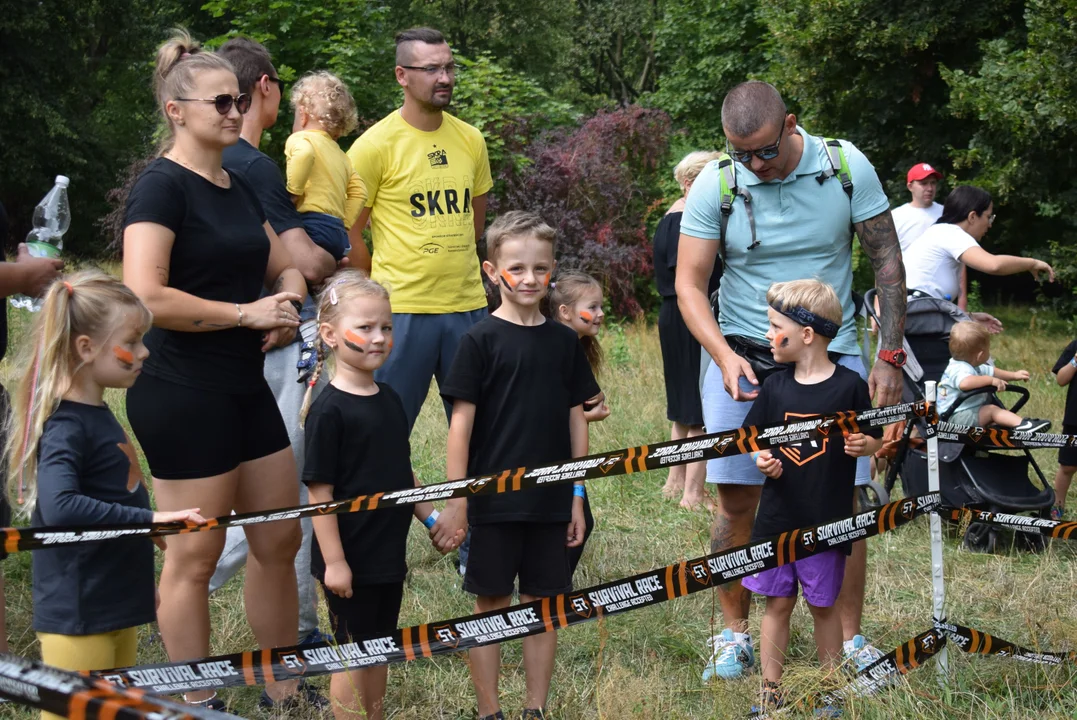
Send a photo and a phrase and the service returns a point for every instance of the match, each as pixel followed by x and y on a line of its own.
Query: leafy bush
pixel 597 185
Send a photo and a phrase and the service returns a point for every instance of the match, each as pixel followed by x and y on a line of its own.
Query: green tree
pixel 75 99
pixel 703 49
pixel 869 71
pixel 1023 100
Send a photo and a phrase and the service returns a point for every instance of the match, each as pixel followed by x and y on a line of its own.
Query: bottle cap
pixel 63 181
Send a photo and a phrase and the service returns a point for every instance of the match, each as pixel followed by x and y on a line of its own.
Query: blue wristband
pixel 579 491
pixel 431 519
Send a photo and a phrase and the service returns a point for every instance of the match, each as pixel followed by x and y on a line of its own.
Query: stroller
pixel 993 480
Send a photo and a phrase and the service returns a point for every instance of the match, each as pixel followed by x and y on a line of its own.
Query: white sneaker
pixel 860 652
pixel 731 655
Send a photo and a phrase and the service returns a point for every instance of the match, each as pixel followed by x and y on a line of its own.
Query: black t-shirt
pixel 667 238
pixel 817 480
pixel 88 474
pixel 1070 417
pixel 523 382
pixel 264 177
pixel 359 445
pixel 220 253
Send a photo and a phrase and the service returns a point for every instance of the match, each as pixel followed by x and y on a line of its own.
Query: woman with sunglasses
pixel 936 261
pixel 199 253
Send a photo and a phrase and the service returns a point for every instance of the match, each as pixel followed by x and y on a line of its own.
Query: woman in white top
pixel 936 261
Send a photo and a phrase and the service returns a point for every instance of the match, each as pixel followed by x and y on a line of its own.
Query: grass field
pixel 646 664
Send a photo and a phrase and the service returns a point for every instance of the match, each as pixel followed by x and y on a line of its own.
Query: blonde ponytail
pixel 86 303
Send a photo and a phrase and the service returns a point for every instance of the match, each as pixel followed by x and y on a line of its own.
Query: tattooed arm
pixel 879 240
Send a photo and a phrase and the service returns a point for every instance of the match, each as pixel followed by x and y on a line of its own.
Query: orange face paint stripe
pixel 586 316
pixel 409 648
pixel 546 619
pixel 508 282
pixel 123 355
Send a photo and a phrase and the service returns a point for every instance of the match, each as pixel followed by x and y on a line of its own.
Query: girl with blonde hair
pixel 71 464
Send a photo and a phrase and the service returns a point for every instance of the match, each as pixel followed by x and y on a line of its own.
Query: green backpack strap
pixel 727 193
pixel 839 166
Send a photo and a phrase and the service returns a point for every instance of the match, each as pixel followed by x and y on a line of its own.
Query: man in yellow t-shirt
pixel 427 175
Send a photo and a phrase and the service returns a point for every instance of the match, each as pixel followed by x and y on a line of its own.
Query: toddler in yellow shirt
pixel 328 193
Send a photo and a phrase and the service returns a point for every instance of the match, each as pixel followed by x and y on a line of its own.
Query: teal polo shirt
pixel 805 229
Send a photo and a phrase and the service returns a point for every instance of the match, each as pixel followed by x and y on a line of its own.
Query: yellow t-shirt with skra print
pixel 419 187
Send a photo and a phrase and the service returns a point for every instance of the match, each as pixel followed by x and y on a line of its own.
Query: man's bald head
pixel 407 39
pixel 750 107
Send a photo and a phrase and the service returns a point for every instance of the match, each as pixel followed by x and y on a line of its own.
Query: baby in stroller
pixel 970 349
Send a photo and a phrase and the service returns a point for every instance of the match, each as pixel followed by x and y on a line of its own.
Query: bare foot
pixel 691 501
pixel 671 490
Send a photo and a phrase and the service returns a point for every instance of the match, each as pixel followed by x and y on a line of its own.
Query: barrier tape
pixel 908 656
pixel 978 642
pixel 78 697
pixel 1061 529
pixel 427 640
pixel 994 437
pixel 627 461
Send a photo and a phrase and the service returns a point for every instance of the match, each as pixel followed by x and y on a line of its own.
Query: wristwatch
pixel 896 358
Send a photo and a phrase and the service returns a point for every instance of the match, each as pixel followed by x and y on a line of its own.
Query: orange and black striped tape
pixel 978 642
pixel 1060 529
pixel 627 461
pixel 446 636
pixel 81 697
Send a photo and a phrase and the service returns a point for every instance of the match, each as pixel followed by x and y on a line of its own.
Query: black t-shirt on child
pixel 1070 416
pixel 220 253
pixel 359 445
pixel 523 381
pixel 817 480
pixel 88 474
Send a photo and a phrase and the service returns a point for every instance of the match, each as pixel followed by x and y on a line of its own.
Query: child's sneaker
pixel 860 652
pixel 1057 512
pixel 731 655
pixel 1033 425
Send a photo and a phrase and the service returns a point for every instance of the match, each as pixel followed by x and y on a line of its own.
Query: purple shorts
pixel 819 575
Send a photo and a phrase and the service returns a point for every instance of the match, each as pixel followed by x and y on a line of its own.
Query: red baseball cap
pixel 922 171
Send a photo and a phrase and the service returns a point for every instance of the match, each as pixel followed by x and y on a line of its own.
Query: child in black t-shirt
pixel 576 302
pixel 1064 371
pixel 356 440
pixel 70 463
pixel 809 482
pixel 518 385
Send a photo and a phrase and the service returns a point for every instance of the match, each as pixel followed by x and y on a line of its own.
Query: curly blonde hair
pixel 327 99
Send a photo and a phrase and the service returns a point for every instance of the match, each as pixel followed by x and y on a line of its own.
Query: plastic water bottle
pixel 52 218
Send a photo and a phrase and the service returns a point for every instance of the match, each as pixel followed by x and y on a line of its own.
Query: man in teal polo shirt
pixel 804 222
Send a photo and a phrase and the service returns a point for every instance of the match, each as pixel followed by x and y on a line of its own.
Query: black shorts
pixel 534 552
pixel 371 610
pixel 189 433
pixel 1068 455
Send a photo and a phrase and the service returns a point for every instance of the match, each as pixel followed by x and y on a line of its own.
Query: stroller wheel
pixel 981 538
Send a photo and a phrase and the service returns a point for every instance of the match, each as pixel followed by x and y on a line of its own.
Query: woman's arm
pixel 963 288
pixel 979 259
pixel 147 250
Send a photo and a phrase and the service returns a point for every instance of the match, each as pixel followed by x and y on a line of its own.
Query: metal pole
pixel 937 585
